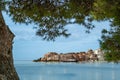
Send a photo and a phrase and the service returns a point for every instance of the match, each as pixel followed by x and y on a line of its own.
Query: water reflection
pixel 113 75
pixel 66 71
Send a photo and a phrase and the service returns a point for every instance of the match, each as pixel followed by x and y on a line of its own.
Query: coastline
pixel 89 56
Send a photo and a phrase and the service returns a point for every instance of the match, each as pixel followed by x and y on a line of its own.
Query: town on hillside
pixel 90 55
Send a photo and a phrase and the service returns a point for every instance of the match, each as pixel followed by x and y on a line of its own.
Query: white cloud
pixel 24 33
pixel 21 31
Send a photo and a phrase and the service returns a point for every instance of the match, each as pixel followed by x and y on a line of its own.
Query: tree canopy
pixel 110 42
pixel 52 15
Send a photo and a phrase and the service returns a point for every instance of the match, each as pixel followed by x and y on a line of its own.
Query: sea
pixel 28 70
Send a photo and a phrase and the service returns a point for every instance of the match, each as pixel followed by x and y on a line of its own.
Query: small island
pixel 90 55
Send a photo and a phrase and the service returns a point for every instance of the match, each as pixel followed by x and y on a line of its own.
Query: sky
pixel 28 46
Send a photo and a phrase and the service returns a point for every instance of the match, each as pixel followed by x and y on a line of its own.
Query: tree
pixel 7 70
pixel 51 16
pixel 110 42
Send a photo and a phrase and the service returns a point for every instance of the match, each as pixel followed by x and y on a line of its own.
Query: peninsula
pixel 90 55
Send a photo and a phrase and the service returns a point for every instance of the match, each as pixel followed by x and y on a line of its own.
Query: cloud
pixel 21 31
pixel 24 33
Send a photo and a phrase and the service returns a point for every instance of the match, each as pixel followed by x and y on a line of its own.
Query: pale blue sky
pixel 28 46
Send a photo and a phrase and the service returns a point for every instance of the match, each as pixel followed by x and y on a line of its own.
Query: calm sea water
pixel 28 70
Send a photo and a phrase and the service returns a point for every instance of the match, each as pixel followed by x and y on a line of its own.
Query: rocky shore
pixel 90 55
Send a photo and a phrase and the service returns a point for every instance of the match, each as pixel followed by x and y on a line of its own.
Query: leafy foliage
pixel 2 4
pixel 110 42
pixel 51 15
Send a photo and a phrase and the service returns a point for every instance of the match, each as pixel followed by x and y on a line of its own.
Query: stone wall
pixel 7 70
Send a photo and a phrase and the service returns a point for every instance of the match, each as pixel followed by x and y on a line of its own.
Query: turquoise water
pixel 28 70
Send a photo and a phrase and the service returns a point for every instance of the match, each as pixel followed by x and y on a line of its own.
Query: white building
pixel 100 54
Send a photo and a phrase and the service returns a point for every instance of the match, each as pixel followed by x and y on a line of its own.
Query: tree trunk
pixel 7 70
